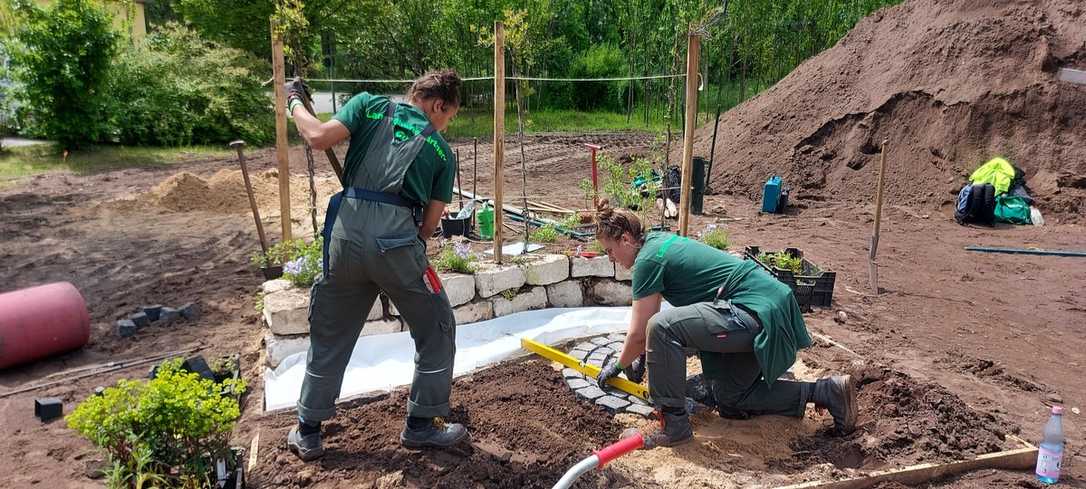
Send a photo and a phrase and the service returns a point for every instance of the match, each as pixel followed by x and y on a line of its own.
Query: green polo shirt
pixel 685 271
pixel 430 176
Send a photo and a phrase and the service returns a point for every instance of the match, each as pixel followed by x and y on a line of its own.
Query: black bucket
pixel 451 226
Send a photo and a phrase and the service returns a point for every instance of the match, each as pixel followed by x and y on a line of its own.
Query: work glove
pixel 636 371
pixel 608 372
pixel 297 92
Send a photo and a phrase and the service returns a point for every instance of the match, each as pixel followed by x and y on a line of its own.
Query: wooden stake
pixel 872 265
pixel 1018 459
pixel 499 135
pixel 282 148
pixel 693 50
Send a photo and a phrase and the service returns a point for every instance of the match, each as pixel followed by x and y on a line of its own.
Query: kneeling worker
pixel 398 177
pixel 745 325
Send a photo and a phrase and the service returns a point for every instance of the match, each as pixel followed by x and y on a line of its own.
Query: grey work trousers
pixel 340 301
pixel 723 335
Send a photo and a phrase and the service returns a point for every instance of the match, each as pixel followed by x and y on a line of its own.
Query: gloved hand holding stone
pixel 636 371
pixel 609 371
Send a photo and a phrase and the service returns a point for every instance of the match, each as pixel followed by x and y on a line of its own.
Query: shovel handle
pixel 620 448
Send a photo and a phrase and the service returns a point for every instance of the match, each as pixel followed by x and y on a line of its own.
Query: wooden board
pixel 1073 76
pixel 1017 459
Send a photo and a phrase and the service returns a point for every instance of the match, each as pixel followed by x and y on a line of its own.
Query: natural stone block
pixel 565 294
pixel 474 312
pixel 600 340
pixel 599 266
pixel 612 403
pixel 277 348
pixel 569 373
pixel 168 315
pixel 190 311
pixel 590 393
pixel 535 298
pixel 611 293
pixel 490 279
pixel 140 319
pixel 382 327
pixel 125 328
pixel 577 383
pixel 152 312
pixel 273 286
pixel 548 270
pixel 622 273
pixel 287 312
pixel 640 409
pixel 459 287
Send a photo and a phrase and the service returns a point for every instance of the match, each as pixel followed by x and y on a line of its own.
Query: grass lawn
pixel 479 123
pixel 42 158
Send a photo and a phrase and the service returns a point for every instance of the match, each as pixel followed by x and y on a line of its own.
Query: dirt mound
pixel 949 84
pixel 526 431
pixel 224 193
pixel 906 422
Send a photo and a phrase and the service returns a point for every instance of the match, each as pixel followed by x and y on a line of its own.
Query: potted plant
pixel 271 261
pixel 170 431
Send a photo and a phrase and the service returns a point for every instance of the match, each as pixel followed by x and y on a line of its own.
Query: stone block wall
pixel 493 291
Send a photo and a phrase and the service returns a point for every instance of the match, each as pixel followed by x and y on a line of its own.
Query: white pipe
pixel 576 471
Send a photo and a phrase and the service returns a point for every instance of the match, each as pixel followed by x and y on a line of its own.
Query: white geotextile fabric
pixel 383 362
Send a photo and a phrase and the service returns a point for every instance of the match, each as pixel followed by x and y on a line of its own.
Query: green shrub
pixel 716 237
pixel 171 428
pixel 62 66
pixel 456 259
pixel 545 234
pixel 306 262
pixel 619 184
pixel 782 260
pixel 175 88
pixel 278 254
pixel 600 61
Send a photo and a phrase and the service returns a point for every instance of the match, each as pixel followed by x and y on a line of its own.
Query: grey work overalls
pixel 371 244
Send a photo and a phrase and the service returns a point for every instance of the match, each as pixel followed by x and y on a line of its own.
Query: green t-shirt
pixel 685 271
pixel 430 176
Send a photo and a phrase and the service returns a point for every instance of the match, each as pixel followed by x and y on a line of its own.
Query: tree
pixel 62 61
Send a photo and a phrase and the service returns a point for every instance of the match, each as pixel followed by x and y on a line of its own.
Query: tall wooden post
pixel 499 136
pixel 872 264
pixel 282 147
pixel 693 51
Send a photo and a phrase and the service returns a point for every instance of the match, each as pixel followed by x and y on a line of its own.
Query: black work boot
pixel 837 395
pixel 432 433
pixel 306 445
pixel 674 430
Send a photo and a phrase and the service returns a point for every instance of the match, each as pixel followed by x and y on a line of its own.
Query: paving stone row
pixel 600 351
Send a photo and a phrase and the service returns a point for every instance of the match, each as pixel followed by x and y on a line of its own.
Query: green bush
pixel 278 254
pixel 716 237
pixel 601 61
pixel 62 64
pixel 175 88
pixel 545 234
pixel 171 428
pixel 619 186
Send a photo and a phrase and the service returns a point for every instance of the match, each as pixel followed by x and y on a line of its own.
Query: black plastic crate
pixel 813 287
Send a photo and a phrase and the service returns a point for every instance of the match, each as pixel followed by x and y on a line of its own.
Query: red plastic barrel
pixel 41 321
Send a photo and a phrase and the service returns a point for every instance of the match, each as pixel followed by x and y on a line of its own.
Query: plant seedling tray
pixel 812 286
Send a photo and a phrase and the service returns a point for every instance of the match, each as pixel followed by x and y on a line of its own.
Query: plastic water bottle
pixel 1050 453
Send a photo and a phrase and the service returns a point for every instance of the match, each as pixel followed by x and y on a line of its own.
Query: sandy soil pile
pixel 949 83
pixel 224 192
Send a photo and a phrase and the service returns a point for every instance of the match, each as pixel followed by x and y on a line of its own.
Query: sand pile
pixel 949 83
pixel 224 192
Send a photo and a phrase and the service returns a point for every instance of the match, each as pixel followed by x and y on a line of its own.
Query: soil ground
pixel 987 342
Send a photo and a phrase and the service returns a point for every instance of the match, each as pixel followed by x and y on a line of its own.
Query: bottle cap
pixel 1057 409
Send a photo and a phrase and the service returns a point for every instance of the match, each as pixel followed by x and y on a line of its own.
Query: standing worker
pixel 398 177
pixel 745 325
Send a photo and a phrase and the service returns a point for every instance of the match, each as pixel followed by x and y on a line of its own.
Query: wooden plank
pixel 1073 76
pixel 1018 459
pixel 693 51
pixel 499 135
pixel 282 148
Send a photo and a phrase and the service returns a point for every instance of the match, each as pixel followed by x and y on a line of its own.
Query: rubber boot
pixel 674 430
pixel 436 434
pixel 837 395
pixel 306 447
